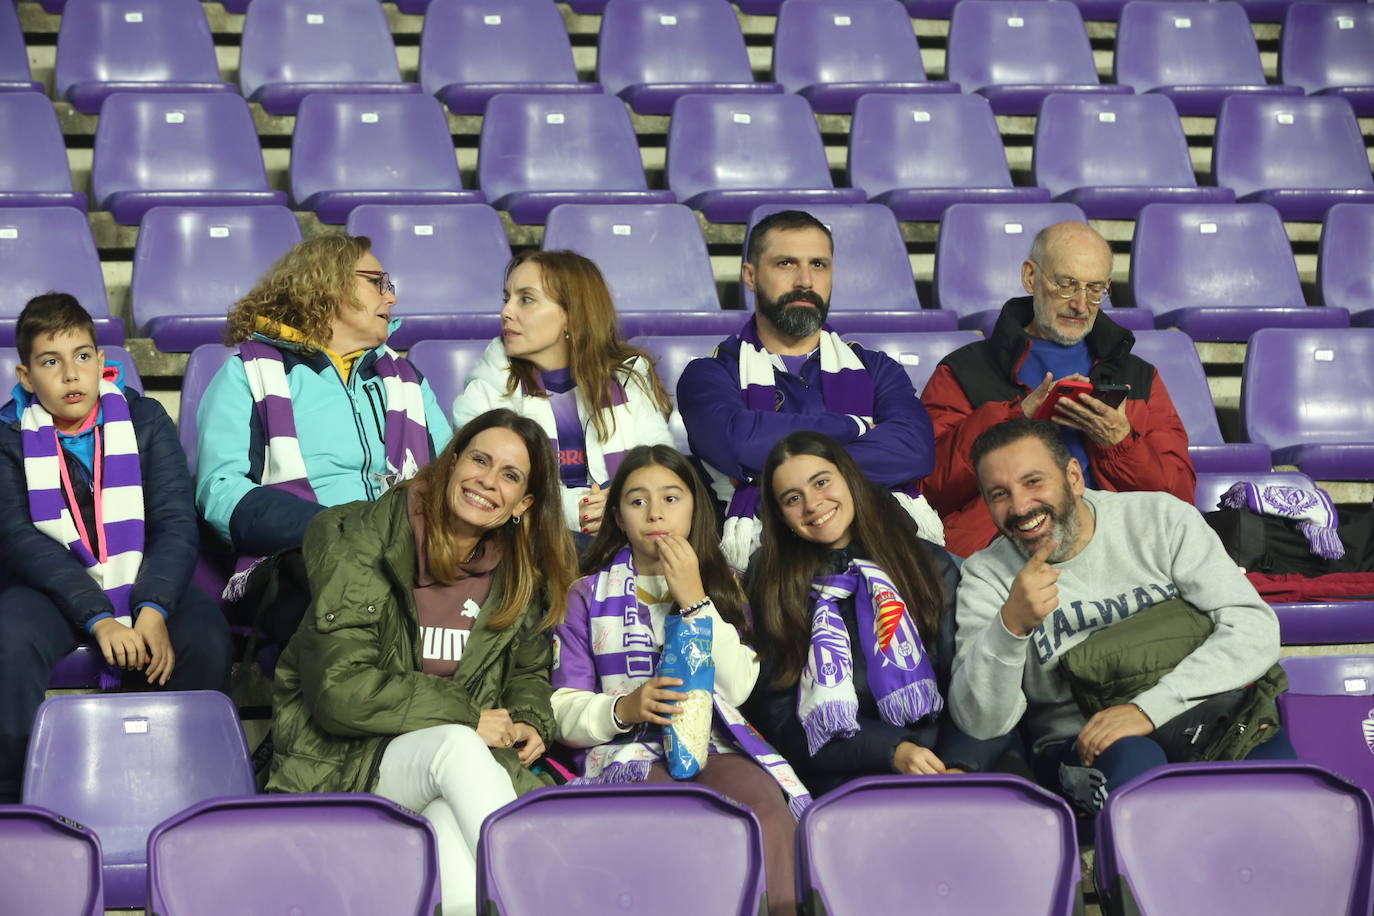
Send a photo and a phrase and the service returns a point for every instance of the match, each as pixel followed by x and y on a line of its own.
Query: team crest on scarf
pixel 889 619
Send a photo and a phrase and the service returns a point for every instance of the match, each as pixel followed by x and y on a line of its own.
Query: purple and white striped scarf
pixel 1310 507
pixel 545 410
pixel 407 442
pixel 900 672
pixel 625 655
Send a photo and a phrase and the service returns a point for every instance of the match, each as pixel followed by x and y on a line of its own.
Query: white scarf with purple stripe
pixel 625 655
pixel 1311 508
pixel 900 673
pixel 407 441
pixel 846 388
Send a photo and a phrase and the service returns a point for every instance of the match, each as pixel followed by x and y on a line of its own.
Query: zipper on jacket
pixel 369 487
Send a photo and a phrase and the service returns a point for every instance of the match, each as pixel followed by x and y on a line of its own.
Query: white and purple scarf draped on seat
pixel 846 388
pixel 900 673
pixel 1310 507
pixel 407 441
pixel 113 553
pixel 626 655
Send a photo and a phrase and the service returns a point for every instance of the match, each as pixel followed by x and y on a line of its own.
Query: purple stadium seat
pixel 831 52
pixel 201 367
pixel 1325 623
pixel 1112 155
pixel 1336 732
pixel 996 49
pixel 1330 675
pixel 1328 49
pixel 653 256
pixel 470 51
pixel 1173 354
pixel 445 364
pixel 1267 10
pixel 328 853
pixel 107 46
pixel 448 265
pixel 1236 839
pixel 1220 272
pixel 52 865
pixel 14 55
pixel 1302 155
pixel 730 154
pixel 850 860
pixel 191 264
pixel 573 831
pixel 651 52
pixel 120 763
pixel 51 249
pixel 1109 10
pixel 979 252
pixel 1212 484
pixel 539 151
pixel 176 149
pixel 918 353
pixel 1196 54
pixel 918 154
pixel 33 155
pixel 671 354
pixel 292 48
pixel 1309 396
pixel 1345 261
pixel 349 150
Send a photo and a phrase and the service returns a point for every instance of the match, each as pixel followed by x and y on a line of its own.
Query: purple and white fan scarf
pixel 407 442
pixel 900 672
pixel 624 656
pixel 572 403
pixel 1310 507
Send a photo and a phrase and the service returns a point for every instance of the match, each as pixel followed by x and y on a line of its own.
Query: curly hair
pixel 304 290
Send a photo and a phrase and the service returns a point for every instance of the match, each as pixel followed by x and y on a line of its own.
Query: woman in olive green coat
pixel 421 671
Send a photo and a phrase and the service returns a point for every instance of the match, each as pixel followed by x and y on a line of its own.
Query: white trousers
pixel 447 774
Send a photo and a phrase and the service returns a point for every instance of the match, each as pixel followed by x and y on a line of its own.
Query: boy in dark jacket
pixel 98 534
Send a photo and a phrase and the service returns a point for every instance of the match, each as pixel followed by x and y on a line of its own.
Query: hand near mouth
pixel 1034 592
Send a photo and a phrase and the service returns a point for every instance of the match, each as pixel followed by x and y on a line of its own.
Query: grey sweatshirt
pixel 1147 547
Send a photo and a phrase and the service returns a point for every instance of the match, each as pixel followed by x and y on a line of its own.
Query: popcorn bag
pixel 687 655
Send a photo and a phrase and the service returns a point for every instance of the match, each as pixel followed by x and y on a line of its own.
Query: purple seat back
pixel 1326 45
pixel 653 256
pixel 14 56
pixel 52 865
pixel 1276 837
pixel 445 364
pixel 848 861
pixel 918 353
pixel 1186 44
pixel 1336 732
pixel 191 264
pixel 1308 387
pixel 33 155
pixel 201 367
pixel 573 831
pixel 328 853
pixel 671 355
pixel 1345 262
pixel 46 249
pixel 164 751
pixel 1330 675
pixel 1212 484
pixel 104 46
pixel 291 48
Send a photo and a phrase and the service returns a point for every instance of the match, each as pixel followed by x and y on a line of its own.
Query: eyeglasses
pixel 1068 287
pixel 380 279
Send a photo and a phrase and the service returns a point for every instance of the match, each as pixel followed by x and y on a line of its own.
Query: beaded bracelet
pixel 689 611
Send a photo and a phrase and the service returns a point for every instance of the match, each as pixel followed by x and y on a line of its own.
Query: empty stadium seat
pixel 201 367
pixel 14 55
pixel 1309 396
pixel 1302 155
pixel 1327 712
pixel 849 860
pixel 107 46
pixel 1325 623
pixel 191 264
pixel 671 354
pixel 1330 675
pixel 1196 54
pixel 33 155
pixel 730 154
pixel 651 52
pixel 47 249
pixel 336 853
pixel 539 151
pixel 349 150
pixel 470 51
pixel 447 263
pixel 446 364
pixel 917 352
pixel 1173 354
pixel 918 155
pixel 176 149
pixel 831 52
pixel 1236 839
pixel 1212 484
pixel 1112 155
pixel 291 48
pixel 1221 271
pixel 157 753
pixel 1345 261
pixel 573 831
pixel 1328 49
pixel 52 864
pixel 998 50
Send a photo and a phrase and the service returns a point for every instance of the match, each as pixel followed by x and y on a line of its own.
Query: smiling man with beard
pixel 787 371
pixel 1072 562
